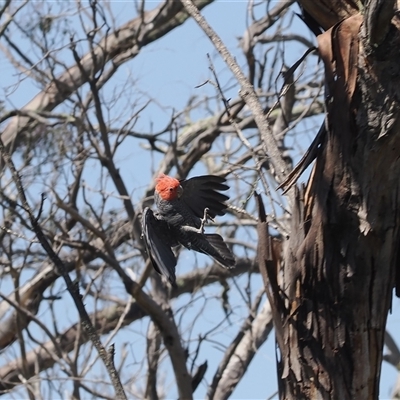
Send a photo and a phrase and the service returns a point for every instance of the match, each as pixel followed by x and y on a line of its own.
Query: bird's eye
pixel 171 189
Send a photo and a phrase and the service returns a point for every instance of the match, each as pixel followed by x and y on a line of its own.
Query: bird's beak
pixel 180 191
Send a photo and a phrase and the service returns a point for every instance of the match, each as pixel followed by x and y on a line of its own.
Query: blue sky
pixel 168 71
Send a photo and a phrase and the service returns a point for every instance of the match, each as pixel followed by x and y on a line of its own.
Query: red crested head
pixel 168 188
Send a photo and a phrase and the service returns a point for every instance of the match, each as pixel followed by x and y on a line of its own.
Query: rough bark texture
pixel 340 265
pixel 329 12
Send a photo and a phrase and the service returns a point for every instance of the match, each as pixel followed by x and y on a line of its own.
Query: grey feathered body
pixel 168 227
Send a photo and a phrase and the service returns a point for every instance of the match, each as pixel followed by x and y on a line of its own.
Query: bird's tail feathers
pixel 222 254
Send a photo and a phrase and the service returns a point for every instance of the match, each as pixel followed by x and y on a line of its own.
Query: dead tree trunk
pixel 335 287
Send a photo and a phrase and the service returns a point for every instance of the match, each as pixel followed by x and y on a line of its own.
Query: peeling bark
pixel 329 12
pixel 343 253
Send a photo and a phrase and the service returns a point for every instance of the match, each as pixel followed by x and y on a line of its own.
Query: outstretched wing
pixel 158 245
pixel 213 245
pixel 204 191
pixel 226 258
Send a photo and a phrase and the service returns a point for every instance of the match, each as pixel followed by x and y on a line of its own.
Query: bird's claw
pixel 200 230
pixel 204 219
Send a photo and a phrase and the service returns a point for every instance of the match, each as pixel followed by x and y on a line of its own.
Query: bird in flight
pixel 183 208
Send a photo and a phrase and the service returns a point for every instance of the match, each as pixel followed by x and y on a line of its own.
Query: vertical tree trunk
pixel 341 259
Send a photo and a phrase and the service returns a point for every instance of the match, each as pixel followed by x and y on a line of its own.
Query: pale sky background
pixel 168 70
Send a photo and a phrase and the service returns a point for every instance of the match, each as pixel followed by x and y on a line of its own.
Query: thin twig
pixel 62 270
pixel 247 91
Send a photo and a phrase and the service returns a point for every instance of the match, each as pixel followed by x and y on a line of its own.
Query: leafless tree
pixel 83 314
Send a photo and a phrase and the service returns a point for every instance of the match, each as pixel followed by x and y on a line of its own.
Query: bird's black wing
pixel 204 191
pixel 158 244
pixel 213 245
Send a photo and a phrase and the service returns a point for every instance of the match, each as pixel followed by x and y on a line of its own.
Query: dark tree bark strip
pixel 343 252
pixel 329 12
pixel 377 20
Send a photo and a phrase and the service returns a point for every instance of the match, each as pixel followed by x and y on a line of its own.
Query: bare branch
pixel 239 360
pixel 153 355
pixel 247 91
pixel 73 289
pixel 131 37
pixel 393 357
